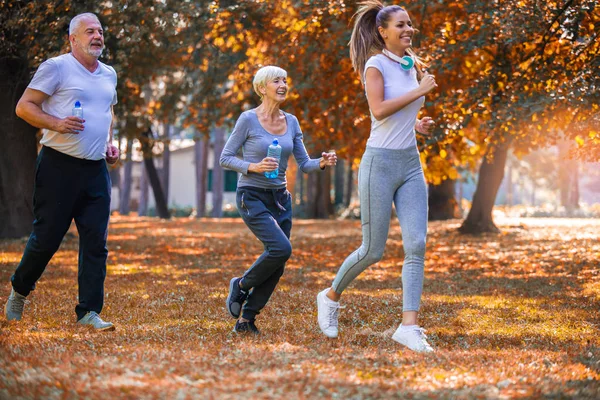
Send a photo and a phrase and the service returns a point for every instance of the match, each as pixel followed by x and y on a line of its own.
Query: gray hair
pixel 267 74
pixel 76 21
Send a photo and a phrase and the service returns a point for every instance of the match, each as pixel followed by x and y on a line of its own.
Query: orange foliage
pixel 511 315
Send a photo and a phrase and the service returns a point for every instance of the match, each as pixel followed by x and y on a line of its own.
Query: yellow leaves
pixel 474 149
pixel 534 117
pixel 579 140
pixel 443 153
pixel 300 25
pixel 219 41
pixel 453 174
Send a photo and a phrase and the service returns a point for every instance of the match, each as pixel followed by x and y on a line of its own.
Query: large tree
pixel 29 31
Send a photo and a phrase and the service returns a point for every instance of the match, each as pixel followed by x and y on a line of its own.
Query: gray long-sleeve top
pixel 254 140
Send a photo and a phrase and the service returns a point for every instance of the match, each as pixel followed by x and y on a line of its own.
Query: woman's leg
pixel 376 188
pixel 261 292
pixel 412 209
pixel 377 182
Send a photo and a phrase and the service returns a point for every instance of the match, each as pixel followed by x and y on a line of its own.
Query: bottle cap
pixel 275 142
pixel 77 104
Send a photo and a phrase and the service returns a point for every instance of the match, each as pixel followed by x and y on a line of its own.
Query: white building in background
pixel 182 180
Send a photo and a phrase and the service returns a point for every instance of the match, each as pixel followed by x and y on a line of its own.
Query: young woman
pixel 390 169
pixel 264 203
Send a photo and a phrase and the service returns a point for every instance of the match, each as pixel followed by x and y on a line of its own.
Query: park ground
pixel 512 315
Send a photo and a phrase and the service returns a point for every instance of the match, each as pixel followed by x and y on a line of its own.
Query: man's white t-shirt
pixel 66 81
pixel 398 130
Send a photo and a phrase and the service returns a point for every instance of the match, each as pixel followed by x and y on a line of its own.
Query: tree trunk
pixel 568 178
pixel 201 147
pixel 442 201
pixel 125 190
pixel 17 163
pixel 509 186
pixel 165 173
pixel 491 173
pixel 159 197
pixel 166 170
pixel 144 186
pixel 300 187
pixel 339 183
pixel 218 184
pixel 349 185
pixel 318 202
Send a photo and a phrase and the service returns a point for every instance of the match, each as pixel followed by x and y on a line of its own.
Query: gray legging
pixel 387 176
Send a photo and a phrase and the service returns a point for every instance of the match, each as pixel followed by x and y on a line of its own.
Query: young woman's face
pixel 399 31
pixel 276 90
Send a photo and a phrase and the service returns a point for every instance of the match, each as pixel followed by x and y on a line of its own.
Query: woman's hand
pixel 328 159
pixel 427 83
pixel 425 126
pixel 267 164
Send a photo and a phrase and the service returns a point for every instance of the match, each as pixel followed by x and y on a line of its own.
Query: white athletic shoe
pixel 413 337
pixel 328 313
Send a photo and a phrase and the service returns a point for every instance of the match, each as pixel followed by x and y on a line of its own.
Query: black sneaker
pixel 237 296
pixel 246 326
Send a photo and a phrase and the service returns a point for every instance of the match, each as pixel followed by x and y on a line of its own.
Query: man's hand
pixel 69 124
pixel 112 153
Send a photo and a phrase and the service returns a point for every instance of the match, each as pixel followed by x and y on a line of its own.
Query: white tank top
pixel 398 130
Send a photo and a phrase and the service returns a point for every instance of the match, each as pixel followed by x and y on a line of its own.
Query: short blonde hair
pixel 267 74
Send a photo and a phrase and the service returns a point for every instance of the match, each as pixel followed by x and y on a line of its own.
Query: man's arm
pixel 112 151
pixel 29 108
pixel 110 128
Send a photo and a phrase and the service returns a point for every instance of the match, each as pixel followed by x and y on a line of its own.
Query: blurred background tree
pixel 514 76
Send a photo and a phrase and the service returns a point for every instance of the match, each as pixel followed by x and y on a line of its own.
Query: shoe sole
pixel 245 332
pixel 231 286
pixel 395 339
pixel 330 336
pixel 107 329
pixel 90 327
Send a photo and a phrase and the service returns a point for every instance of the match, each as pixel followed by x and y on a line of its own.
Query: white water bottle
pixel 77 110
pixel 274 152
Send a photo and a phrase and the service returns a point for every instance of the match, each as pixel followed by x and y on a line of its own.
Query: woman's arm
pixel 381 108
pixel 235 142
pixel 305 163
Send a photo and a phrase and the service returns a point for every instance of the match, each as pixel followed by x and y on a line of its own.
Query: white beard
pixel 95 53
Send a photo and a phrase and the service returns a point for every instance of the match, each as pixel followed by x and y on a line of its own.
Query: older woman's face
pixel 276 90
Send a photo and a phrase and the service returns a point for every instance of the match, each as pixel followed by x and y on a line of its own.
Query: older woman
pixel 264 203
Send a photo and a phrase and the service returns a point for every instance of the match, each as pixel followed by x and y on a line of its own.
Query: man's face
pixel 89 37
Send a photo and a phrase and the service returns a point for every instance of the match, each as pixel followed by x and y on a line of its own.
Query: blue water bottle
pixel 274 152
pixel 77 110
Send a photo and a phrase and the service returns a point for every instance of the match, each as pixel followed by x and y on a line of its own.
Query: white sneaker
pixel 328 313
pixel 93 319
pixel 413 337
